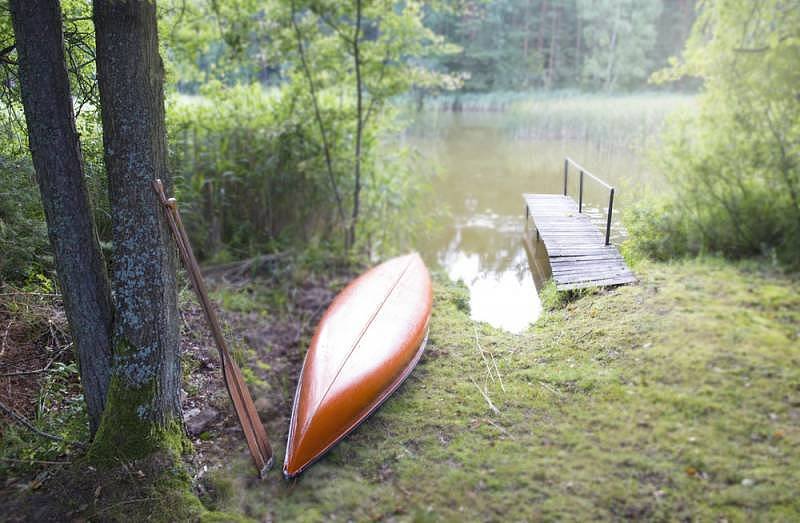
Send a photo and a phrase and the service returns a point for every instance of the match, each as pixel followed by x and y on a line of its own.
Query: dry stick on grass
pixel 498 427
pixel 549 388
pixel 119 504
pixel 486 361
pixel 26 293
pixel 486 397
pixel 38 461
pixel 483 356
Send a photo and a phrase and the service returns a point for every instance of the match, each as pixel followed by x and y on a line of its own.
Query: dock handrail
pixel 583 171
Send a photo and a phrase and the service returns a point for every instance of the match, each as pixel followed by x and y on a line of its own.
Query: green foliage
pixel 23 236
pixel 363 53
pixel 619 36
pixel 249 161
pixel 23 233
pixel 735 162
pixel 247 175
pixel 589 44
pixel 266 168
pixel 60 412
pixel 216 42
pixel 657 231
pixel 78 32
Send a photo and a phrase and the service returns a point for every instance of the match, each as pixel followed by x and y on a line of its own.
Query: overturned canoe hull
pixel 367 343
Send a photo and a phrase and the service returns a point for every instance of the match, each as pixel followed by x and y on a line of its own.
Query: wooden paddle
pixel 254 432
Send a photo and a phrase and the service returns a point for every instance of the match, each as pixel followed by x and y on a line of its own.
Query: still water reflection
pixel 482 167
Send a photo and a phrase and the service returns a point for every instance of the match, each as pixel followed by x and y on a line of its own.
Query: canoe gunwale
pixel 378 403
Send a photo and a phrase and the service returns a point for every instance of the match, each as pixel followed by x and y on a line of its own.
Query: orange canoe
pixel 366 344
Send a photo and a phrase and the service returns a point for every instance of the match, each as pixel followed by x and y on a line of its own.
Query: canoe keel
pixel 366 345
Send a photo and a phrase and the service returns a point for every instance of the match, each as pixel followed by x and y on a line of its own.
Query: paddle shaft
pixel 254 432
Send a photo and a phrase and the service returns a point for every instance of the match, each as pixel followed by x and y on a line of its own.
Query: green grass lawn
pixel 673 399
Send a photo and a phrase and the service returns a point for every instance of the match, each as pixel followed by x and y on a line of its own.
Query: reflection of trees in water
pixel 496 252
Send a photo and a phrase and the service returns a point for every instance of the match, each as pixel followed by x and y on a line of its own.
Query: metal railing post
pixel 610 209
pixel 566 171
pixel 580 192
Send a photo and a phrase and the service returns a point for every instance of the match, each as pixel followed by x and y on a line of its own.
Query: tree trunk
pixel 143 414
pixel 56 155
pixel 351 236
pixel 540 37
pixel 578 44
pixel 612 52
pixel 551 66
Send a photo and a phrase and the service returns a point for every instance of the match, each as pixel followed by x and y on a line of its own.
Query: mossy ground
pixel 677 398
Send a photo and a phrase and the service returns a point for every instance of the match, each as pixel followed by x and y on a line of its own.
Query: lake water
pixel 483 162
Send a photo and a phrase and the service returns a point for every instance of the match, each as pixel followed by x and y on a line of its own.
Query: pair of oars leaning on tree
pixel 367 343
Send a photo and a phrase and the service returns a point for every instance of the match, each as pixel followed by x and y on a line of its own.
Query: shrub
pixel 24 249
pixel 735 162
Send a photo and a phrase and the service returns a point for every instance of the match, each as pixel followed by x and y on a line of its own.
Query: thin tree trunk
pixel 525 43
pixel 553 48
pixel 542 22
pixel 578 35
pixel 359 127
pixel 56 154
pixel 326 147
pixel 143 412
pixel 612 52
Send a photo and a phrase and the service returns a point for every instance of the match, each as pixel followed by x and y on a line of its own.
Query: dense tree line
pixel 546 44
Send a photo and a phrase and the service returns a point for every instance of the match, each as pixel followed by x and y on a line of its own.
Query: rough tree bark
pixel 142 413
pixel 56 155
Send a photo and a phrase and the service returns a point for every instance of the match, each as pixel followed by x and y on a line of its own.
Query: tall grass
pixel 628 120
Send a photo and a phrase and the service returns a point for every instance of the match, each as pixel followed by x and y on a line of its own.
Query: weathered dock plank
pixel 579 257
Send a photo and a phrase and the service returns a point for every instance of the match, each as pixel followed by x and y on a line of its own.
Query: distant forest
pixel 607 45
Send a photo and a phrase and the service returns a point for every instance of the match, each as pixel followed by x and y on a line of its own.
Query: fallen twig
pixel 238 269
pixel 5 337
pixel 549 388
pixel 26 293
pixel 483 356
pixel 37 371
pixel 498 427
pixel 125 502
pixel 486 397
pixel 28 425
pixel 486 361
pixel 39 461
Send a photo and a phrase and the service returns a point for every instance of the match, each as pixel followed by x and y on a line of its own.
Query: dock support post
pixel 608 222
pixel 527 216
pixel 566 172
pixel 580 193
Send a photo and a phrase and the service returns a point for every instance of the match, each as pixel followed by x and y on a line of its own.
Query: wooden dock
pixel 579 255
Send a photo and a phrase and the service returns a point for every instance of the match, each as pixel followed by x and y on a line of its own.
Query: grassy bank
pixel 675 398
